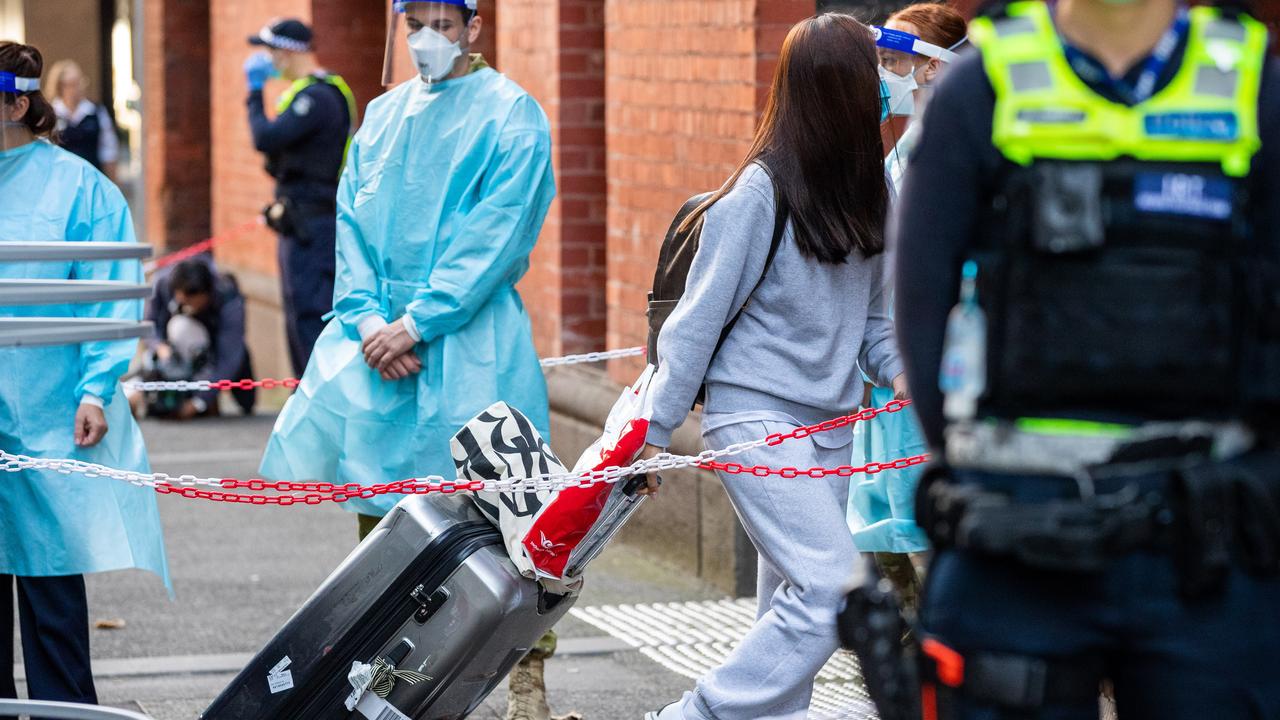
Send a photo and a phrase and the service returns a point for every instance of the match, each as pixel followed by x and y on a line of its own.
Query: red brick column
pixel 555 50
pixel 685 83
pixel 176 103
pixel 349 39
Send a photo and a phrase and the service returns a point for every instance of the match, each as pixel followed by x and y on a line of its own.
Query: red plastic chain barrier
pixel 203 246
pixel 827 426
pixel 321 492
pixel 265 383
pixel 816 473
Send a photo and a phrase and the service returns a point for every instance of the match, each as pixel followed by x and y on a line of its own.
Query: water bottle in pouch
pixel 964 356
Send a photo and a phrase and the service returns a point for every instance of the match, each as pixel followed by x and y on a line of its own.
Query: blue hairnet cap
pixel 465 4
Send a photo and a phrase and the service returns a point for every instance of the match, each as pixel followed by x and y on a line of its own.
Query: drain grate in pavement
pixel 690 638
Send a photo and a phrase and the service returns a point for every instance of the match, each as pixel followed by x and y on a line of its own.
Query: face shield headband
pixel 11 83
pixel 905 42
pixel 398 9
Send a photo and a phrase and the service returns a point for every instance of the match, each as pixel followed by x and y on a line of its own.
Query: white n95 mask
pixel 433 54
pixel 902 98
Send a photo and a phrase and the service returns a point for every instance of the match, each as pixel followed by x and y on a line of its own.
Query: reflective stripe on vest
pixel 353 110
pixel 288 96
pixel 1208 113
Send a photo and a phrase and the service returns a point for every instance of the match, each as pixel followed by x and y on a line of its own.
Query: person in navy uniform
pixel 305 147
pixel 84 127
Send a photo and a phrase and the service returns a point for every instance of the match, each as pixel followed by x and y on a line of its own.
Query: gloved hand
pixel 258 69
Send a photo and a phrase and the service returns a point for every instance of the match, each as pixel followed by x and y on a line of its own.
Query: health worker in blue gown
pixel 62 401
pixel 441 201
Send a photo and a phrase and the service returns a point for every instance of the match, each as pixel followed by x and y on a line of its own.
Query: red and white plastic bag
pixel 552 535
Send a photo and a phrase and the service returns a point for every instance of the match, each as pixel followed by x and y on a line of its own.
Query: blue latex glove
pixel 258 69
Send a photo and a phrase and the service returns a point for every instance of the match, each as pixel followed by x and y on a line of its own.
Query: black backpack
pixel 676 257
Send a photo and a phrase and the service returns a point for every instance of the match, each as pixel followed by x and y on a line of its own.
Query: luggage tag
pixel 372 683
pixel 375 708
pixel 280 677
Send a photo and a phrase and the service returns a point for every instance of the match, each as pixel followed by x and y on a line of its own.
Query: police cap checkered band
pixel 11 83
pixel 467 4
pixel 287 34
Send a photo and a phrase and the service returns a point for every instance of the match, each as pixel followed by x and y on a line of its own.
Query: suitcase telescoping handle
pixel 635 483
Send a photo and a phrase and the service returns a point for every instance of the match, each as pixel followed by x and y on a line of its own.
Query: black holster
pixel 1210 516
pixel 1227 513
pixel 281 217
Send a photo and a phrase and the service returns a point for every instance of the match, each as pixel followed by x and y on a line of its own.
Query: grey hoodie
pixel 803 342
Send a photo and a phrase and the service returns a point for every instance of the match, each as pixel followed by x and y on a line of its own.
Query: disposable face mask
pixel 433 54
pixel 902 99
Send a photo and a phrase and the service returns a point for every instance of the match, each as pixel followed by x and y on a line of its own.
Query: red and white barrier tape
pixel 205 245
pixel 291 383
pixel 189 486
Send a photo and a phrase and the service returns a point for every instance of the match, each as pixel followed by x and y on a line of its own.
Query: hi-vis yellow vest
pixel 288 96
pixel 1207 114
pixel 353 110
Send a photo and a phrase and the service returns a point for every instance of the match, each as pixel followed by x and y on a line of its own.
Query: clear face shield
pixel 434 34
pixel 901 57
pixel 10 129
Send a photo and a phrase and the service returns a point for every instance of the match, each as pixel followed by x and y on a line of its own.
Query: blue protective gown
pixel 882 506
pixel 442 199
pixel 53 524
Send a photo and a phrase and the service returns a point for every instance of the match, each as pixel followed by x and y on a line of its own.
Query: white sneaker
pixel 670 712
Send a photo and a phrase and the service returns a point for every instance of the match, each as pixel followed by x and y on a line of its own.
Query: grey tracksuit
pixel 795 357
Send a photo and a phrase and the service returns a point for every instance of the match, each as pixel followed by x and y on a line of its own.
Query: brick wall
pixel 176 122
pixel 685 81
pixel 555 50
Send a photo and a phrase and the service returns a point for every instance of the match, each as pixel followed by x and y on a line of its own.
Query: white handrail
pixel 30 251
pixel 37 332
pixel 51 292
pixel 42 710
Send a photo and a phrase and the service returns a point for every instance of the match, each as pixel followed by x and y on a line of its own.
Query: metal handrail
pixel 37 332
pixel 65 250
pixel 42 331
pixel 49 292
pixel 65 711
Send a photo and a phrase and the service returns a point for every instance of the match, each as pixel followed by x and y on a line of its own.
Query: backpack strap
pixel 779 229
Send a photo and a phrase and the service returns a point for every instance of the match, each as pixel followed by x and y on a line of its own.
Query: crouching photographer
pixel 199 322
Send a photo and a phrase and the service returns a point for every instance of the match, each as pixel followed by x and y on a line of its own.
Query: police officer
pixel 1098 191
pixel 305 147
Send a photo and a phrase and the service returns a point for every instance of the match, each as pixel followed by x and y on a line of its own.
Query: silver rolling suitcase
pixel 429 604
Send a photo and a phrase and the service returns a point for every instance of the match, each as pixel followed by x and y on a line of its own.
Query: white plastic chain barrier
pixel 556 481
pixel 202 385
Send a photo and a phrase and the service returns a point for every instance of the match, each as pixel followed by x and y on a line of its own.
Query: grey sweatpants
pixel 807 560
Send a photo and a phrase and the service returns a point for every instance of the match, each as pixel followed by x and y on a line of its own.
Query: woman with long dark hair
pixel 795 357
